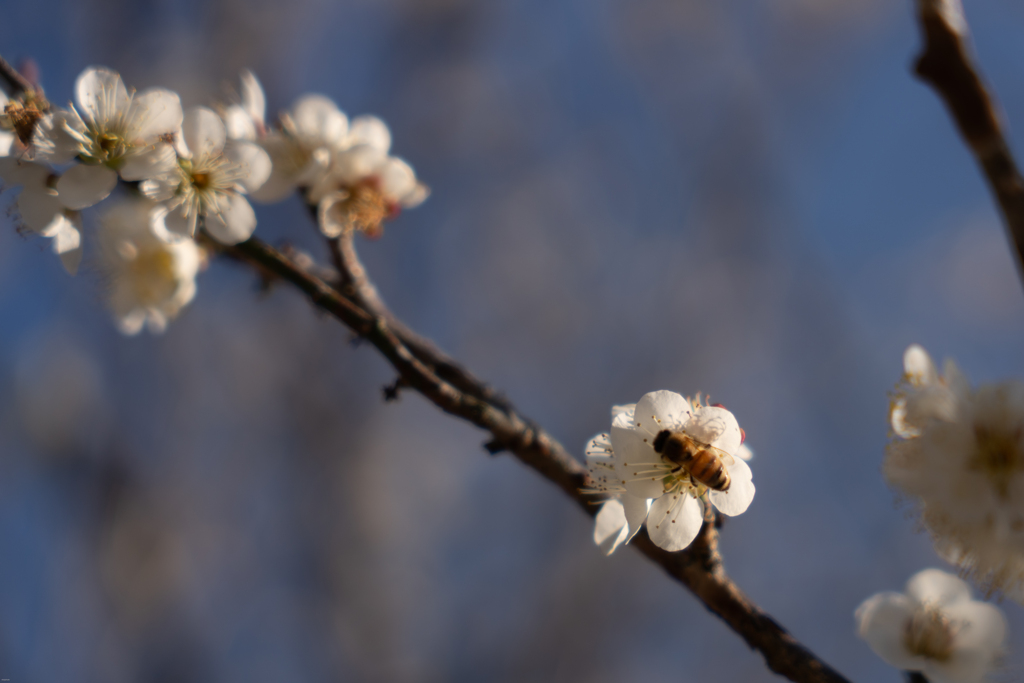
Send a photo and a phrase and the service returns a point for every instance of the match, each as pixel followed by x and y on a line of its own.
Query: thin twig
pixel 946 63
pixel 699 567
pixel 357 287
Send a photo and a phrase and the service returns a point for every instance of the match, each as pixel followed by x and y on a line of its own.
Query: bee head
pixel 660 439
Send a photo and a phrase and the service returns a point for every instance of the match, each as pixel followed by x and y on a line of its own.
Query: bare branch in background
pixel 356 286
pixel 699 567
pixel 946 63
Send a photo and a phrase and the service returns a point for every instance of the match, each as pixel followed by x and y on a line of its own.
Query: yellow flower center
pixel 364 209
pixel 201 180
pixel 108 142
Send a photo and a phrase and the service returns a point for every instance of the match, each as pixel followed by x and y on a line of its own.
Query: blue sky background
pixel 753 199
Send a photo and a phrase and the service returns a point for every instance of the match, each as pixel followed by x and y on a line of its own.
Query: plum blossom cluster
pixel 958 454
pixel 934 628
pixel 181 171
pixel 649 486
pixel 343 167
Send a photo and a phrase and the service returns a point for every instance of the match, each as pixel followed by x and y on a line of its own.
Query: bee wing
pixel 726 459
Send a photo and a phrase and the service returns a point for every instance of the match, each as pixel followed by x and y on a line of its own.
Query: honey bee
pixel 704 463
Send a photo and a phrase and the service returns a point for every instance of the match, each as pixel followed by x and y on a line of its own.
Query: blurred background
pixel 749 198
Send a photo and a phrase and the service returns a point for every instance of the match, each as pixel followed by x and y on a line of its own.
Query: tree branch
pixel 946 63
pixel 357 287
pixel 699 567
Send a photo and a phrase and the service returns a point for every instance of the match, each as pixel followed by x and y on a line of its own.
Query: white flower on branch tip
pixel 42 209
pixel 211 180
pixel 649 488
pixel 364 184
pixel 151 274
pixel 934 628
pixel 958 453
pixel 111 131
pixel 311 132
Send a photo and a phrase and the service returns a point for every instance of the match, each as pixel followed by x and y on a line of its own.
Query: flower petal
pixel 253 159
pixel 150 162
pixel 882 621
pixel 14 171
pixel 37 208
pixel 67 241
pixel 253 100
pixel 610 526
pixel 369 130
pixel 414 197
pixel 737 499
pixel 660 410
pixel 601 464
pixel 936 587
pixel 234 220
pixel 203 132
pixel 52 141
pixel 956 380
pixel 636 510
pixel 636 463
pixel 238 124
pixel 284 175
pixel 717 427
pixel 84 185
pixel 131 323
pixel 980 638
pixel 318 121
pixel 178 223
pixel 918 366
pixel 358 163
pixel 397 179
pixel 622 416
pixel 674 521
pixel 101 95
pixel 155 112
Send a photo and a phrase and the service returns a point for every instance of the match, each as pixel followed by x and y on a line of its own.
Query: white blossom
pixel 311 133
pixel 111 131
pixel 364 184
pixel 934 628
pixel 958 454
pixel 151 273
pixel 649 488
pixel 245 120
pixel 42 207
pixel 211 180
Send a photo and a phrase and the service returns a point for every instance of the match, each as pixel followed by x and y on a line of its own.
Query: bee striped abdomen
pixel 710 471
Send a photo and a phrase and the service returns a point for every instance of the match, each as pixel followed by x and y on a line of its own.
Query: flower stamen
pixel 930 633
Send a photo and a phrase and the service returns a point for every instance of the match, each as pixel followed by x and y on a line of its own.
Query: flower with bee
pixel 665 459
